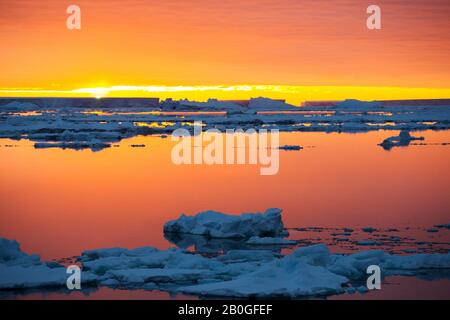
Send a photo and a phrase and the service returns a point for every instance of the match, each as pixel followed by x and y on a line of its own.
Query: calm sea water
pixel 58 203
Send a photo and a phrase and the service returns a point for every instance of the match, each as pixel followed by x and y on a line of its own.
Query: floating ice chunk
pixel 354 266
pixel 104 260
pixel 286 277
pixel 366 243
pixel 20 277
pixel 290 147
pixel 418 261
pixel 269 241
pixel 274 281
pixel 148 259
pixel 317 255
pixel 402 140
pixel 368 229
pixel 10 250
pixel 94 145
pixel 19 270
pixel 90 255
pixel 443 226
pixel 362 289
pixel 219 225
pixel 11 254
pixel 311 270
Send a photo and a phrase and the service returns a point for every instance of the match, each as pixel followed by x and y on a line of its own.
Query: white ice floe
pixel 37 276
pixel 21 271
pixel 443 226
pixel 306 271
pixel 11 255
pixel 219 225
pixel 402 140
pixel 366 243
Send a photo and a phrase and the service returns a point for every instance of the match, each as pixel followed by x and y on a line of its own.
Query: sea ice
pixel 290 147
pixel 402 140
pixel 311 270
pixel 219 225
pixel 19 270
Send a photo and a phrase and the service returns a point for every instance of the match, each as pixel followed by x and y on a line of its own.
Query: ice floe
pixel 402 140
pixel 219 225
pixel 254 270
pixel 54 124
pixel 311 270
pixel 21 271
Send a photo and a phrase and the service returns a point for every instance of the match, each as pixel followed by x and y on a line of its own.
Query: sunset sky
pixel 299 50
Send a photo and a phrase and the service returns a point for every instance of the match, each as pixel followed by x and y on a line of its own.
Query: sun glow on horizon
pixel 292 94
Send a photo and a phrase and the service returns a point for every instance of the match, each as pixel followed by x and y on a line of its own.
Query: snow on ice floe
pixel 219 225
pixel 402 140
pixel 19 270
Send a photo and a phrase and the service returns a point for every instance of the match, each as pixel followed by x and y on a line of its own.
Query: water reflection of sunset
pixel 59 202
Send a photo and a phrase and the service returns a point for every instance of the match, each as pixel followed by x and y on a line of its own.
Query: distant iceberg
pixel 358 105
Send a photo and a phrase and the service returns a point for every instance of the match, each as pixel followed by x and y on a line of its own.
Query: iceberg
pixel 358 105
pixel 266 104
pixel 219 225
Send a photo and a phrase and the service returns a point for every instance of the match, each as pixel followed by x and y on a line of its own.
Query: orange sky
pixel 323 45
